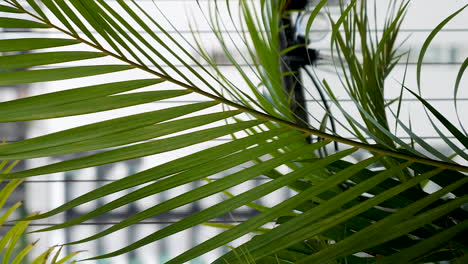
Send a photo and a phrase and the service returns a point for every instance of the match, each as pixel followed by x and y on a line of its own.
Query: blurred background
pixel 442 62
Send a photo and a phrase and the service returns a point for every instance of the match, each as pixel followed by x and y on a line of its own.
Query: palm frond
pixel 344 207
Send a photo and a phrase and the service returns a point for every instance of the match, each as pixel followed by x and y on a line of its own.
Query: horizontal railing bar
pixel 140 223
pixel 232 31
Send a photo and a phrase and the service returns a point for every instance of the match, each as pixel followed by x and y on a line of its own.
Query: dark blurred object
pixel 293 61
pixel 296 4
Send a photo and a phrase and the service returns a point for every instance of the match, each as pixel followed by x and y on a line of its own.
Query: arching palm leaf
pixel 340 206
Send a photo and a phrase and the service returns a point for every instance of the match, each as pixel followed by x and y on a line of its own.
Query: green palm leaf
pixel 345 207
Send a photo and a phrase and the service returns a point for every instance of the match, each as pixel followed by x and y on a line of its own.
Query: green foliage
pixel 11 250
pixel 342 211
